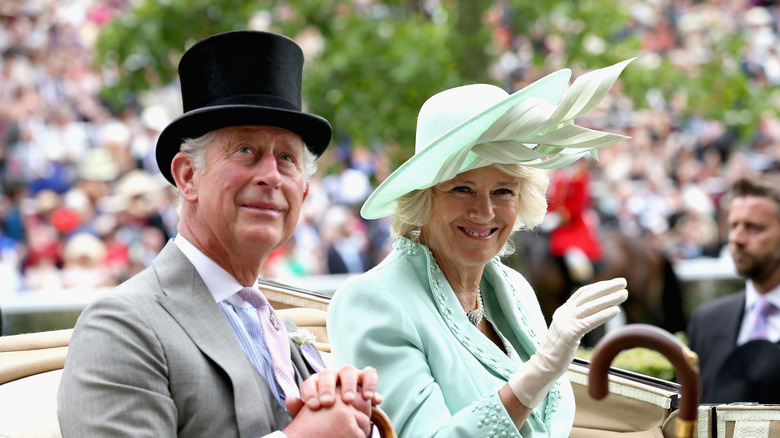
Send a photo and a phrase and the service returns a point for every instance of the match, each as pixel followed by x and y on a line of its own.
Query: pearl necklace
pixel 475 316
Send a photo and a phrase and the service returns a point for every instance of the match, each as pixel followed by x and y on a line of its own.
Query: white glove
pixel 586 309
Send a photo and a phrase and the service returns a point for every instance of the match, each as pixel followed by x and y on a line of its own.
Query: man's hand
pixel 334 404
pixel 338 420
pixel 351 384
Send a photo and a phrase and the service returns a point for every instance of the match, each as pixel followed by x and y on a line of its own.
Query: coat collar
pixel 508 306
pixel 489 354
pixel 469 336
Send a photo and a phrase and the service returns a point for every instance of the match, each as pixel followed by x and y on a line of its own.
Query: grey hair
pixel 413 210
pixel 196 148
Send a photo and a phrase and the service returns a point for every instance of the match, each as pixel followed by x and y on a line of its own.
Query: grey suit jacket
pixel 712 334
pixel 156 357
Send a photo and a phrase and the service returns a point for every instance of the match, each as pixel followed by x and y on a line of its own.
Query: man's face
pixel 250 192
pixel 754 237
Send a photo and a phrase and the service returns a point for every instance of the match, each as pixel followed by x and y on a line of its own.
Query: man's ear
pixel 306 192
pixel 183 173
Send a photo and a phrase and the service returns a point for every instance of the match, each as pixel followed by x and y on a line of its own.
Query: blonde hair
pixel 413 210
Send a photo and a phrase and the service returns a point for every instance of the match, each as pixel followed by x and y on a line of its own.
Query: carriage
pixel 611 402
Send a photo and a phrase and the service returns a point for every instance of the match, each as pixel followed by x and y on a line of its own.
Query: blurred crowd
pixel 665 183
pixel 83 205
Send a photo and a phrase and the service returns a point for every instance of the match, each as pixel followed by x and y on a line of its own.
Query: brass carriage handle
pixel 685 362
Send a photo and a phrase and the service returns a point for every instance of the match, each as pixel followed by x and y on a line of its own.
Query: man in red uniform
pixel 574 241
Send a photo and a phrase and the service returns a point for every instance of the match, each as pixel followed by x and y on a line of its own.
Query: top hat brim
pixel 749 374
pixel 315 131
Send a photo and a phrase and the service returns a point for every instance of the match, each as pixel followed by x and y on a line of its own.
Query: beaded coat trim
pixel 459 324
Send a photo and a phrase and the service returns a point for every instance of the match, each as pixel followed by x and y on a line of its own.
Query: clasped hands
pixel 334 403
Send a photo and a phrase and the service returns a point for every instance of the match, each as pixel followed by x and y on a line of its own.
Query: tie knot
pixel 253 297
pixel 765 307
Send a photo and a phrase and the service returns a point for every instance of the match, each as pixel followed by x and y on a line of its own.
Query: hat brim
pixel 420 171
pixel 315 131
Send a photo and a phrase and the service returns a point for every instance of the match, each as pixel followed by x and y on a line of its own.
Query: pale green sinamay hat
pixel 455 131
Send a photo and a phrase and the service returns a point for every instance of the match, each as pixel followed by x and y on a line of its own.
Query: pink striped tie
pixel 763 308
pixel 276 340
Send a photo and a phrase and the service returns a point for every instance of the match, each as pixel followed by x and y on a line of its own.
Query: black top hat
pixel 749 374
pixel 241 78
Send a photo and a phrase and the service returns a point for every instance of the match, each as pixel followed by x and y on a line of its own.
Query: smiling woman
pixel 458 338
pixel 472 217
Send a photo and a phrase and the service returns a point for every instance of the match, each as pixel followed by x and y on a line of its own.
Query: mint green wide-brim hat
pixel 533 126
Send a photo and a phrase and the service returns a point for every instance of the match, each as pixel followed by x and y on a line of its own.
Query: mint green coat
pixel 438 374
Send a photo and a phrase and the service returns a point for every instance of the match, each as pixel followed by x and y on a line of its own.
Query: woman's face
pixel 472 217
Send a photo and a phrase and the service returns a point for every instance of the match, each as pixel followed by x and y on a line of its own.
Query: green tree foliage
pixel 378 61
pixel 144 45
pixel 377 68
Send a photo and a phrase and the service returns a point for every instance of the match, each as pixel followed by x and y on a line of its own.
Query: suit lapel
pixel 302 367
pixel 732 321
pixel 301 370
pixel 188 301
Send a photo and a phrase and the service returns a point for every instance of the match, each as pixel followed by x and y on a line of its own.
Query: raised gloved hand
pixel 589 307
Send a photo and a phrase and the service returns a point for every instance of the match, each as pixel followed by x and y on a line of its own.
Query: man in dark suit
pixel 184 348
pixel 723 330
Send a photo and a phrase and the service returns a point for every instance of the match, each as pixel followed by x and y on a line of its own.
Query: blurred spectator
pixel 344 236
pixel 10 211
pixel 10 278
pixel 347 185
pixel 117 259
pixel 43 271
pixel 83 267
pixel 151 241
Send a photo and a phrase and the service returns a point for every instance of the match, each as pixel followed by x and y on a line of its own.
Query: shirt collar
pixel 751 295
pixel 219 282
